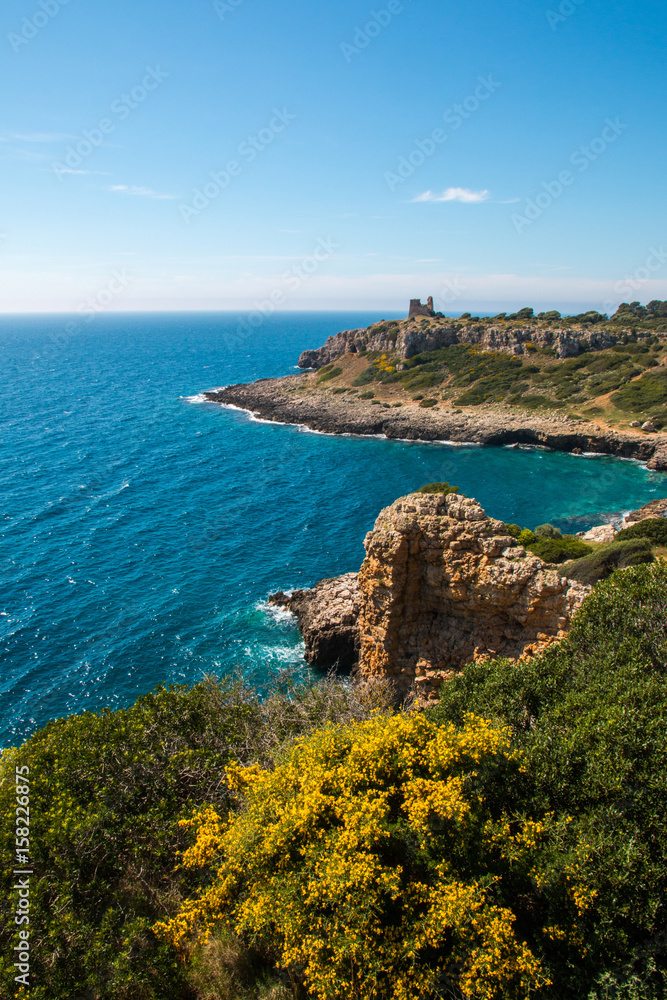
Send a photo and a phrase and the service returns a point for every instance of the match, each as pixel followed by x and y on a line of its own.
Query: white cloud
pixel 142 192
pixel 464 195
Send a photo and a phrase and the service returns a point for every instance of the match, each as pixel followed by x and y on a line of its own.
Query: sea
pixel 142 528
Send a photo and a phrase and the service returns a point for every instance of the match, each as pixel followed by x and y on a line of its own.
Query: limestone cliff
pixel 412 336
pixel 441 585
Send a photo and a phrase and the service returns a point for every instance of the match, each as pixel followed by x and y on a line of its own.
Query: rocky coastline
pixel 442 584
pixel 291 400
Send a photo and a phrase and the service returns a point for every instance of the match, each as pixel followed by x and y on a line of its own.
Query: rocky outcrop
pixel 658 461
pixel 443 584
pixel 422 333
pixel 601 533
pixel 656 508
pixel 328 620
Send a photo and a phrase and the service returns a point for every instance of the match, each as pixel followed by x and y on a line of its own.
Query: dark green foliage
pixel 526 313
pixel 589 714
pixel 337 392
pixel 593 373
pixel 367 376
pixel 106 794
pixel 366 395
pixel 603 561
pixel 558 550
pixel 331 373
pixel 532 402
pixel 422 379
pixel 552 316
pixel 642 395
pixel 426 403
pixel 438 488
pixel 653 528
pixel 513 529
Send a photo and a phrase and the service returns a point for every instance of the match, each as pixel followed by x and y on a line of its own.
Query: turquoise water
pixel 142 530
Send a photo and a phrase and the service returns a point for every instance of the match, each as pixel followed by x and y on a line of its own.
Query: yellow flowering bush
pixel 377 861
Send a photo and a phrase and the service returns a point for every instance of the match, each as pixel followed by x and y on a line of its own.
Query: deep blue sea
pixel 142 529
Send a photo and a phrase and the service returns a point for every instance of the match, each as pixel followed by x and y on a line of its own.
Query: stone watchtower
pixel 417 309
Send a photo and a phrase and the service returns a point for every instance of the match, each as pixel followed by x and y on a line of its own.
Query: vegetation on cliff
pixel 107 793
pixel 589 716
pixel 589 365
pixel 470 376
pixel 510 841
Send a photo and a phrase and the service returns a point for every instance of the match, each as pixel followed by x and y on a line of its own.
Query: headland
pixel 586 384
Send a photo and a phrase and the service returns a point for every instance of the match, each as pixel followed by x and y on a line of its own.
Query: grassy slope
pixel 611 387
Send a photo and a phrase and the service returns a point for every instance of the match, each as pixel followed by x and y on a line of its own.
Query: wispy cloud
pixel 142 192
pixel 70 170
pixel 35 137
pixel 464 195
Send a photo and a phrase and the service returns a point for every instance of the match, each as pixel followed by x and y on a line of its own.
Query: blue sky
pixel 213 155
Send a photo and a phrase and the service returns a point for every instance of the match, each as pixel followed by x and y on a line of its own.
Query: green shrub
pixel 513 529
pixel 653 528
pixel 558 550
pixel 366 377
pixel 426 403
pixel 106 794
pixel 332 373
pixel 547 531
pixel 438 488
pixel 527 537
pixel 529 402
pixel 339 390
pixel 589 714
pixel 367 395
pixel 603 561
pixel 639 397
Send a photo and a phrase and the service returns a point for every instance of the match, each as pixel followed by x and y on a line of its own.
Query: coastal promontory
pixel 578 384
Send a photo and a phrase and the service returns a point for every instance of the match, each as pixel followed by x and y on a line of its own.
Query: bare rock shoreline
pixel 285 400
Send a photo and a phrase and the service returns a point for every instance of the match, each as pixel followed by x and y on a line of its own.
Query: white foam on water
pixel 274 611
pixel 284 654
